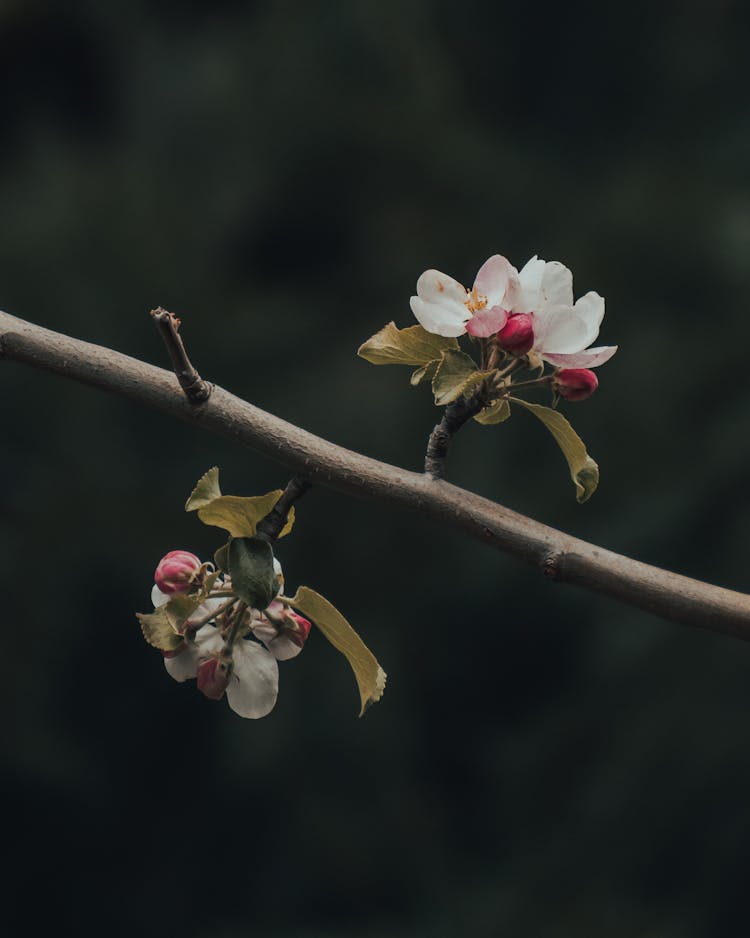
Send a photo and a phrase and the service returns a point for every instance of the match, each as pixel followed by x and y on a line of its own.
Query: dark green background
pixel 545 762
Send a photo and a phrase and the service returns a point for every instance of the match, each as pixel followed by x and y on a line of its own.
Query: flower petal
pixel 183 667
pixel 158 598
pixel 559 329
pixel 439 320
pixel 487 322
pixel 590 358
pixel 254 684
pixel 207 642
pixel 590 309
pixel 283 648
pixel 498 281
pixel 436 287
pixel 530 279
pixel 544 284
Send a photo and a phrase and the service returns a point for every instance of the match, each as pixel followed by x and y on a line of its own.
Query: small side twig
pixel 273 524
pixel 454 417
pixel 197 391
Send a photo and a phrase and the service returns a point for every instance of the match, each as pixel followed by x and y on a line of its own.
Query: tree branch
pixel 558 555
pixel 454 417
pixel 196 389
pixel 273 524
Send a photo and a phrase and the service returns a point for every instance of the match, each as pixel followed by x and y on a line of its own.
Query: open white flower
pixel 254 677
pixel 444 307
pixel 543 290
pixel 253 684
pixel 563 330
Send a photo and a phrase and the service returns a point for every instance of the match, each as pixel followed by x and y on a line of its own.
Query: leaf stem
pixel 234 626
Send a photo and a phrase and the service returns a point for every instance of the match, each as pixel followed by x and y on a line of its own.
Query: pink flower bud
pixel 177 571
pixel 213 678
pixel 575 384
pixel 517 335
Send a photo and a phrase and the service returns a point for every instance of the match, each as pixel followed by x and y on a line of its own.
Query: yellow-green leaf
pixel 221 557
pixel 157 630
pixel 205 491
pixel 425 373
pixel 368 673
pixel 410 346
pixel 497 412
pixel 181 606
pixel 237 515
pixel 289 524
pixel 456 375
pixel 583 469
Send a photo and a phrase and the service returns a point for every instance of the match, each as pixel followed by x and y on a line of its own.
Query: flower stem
pixel 234 626
pixel 197 623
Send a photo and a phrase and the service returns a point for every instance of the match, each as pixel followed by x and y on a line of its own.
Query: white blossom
pixel 444 307
pixel 563 329
pixel 253 682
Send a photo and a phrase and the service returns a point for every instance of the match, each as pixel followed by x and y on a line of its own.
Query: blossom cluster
pixel 530 312
pixel 227 647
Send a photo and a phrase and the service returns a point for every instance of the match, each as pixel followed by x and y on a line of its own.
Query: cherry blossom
pixel 444 307
pixel 541 296
pixel 563 330
pixel 247 670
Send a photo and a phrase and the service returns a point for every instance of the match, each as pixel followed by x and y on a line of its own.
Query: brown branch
pixel 454 417
pixel 273 524
pixel 197 391
pixel 558 555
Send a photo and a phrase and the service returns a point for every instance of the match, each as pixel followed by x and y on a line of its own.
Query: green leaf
pixel 583 470
pixel 410 346
pixel 456 375
pixel 251 569
pixel 425 373
pixel 164 627
pixel 237 515
pixel 205 491
pixel 497 412
pixel 368 673
pixel 157 630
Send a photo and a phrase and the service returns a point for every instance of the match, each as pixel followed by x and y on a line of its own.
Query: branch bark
pixel 559 556
pixel 273 524
pixel 197 391
pixel 455 416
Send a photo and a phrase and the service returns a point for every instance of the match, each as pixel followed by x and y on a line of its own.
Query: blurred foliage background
pixel 544 762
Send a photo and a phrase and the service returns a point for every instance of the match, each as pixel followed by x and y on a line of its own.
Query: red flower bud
pixel 517 335
pixel 213 678
pixel 575 384
pixel 177 571
pixel 298 634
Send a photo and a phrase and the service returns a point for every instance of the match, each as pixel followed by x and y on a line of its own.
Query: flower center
pixel 475 301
